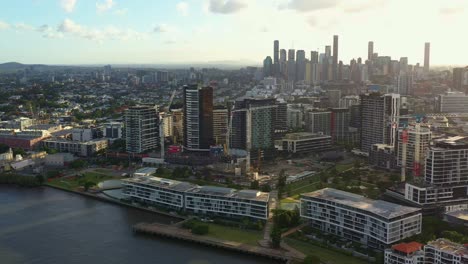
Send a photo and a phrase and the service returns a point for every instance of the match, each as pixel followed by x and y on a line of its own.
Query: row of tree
pixel 24 181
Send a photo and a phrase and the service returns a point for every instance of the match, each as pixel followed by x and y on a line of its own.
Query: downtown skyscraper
pixel 427 54
pixel 335 58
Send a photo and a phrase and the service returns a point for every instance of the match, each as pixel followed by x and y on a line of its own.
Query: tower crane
pixel 161 124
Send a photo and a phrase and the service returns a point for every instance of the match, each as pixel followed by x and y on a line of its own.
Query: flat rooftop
pixel 161 183
pixel 449 246
pixel 462 214
pixel 304 135
pixel 232 193
pixel 378 207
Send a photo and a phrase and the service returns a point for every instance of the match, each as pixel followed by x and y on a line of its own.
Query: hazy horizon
pixel 74 32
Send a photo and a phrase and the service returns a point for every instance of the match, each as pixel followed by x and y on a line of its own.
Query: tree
pixel 4 148
pixel 88 185
pixel 78 164
pixel 40 179
pixel 19 151
pixel 200 229
pixel 275 236
pixel 311 259
pixel 265 188
pixel 254 185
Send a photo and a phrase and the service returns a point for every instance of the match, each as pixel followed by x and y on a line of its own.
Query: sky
pixel 199 31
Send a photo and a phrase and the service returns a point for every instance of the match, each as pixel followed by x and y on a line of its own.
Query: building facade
pixel 405 253
pixel 141 128
pixel 198 118
pixel 209 200
pixel 374 223
pixel 443 251
pixel 304 142
pixel 453 102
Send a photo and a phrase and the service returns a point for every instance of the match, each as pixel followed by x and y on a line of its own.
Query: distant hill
pixel 15 66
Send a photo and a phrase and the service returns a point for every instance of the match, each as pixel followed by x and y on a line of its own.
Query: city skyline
pixel 207 31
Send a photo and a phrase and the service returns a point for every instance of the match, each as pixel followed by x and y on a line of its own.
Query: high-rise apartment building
pixel 253 126
pixel 460 79
pixel 340 119
pixel 318 122
pixel 444 251
pixel 198 118
pixel 446 175
pixel 427 54
pixel 335 57
pixel 413 144
pixel 267 67
pixel 300 65
pixel 379 119
pixel 141 128
pixel 220 124
pixel 275 58
pixel 370 50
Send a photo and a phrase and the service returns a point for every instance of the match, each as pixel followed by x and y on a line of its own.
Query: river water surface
pixel 47 226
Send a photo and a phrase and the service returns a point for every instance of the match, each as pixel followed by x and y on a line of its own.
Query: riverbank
pixel 185 235
pixel 114 201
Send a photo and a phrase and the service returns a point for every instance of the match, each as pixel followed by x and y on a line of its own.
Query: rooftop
pixel 304 135
pixel 232 193
pixel 407 248
pixel 449 246
pixel 162 183
pixel 462 214
pixel 377 207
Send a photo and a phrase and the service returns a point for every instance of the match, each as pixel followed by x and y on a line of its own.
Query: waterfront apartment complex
pixel 443 251
pixel 374 223
pixel 208 200
pixel 405 253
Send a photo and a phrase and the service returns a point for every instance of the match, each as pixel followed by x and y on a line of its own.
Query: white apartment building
pixel 446 174
pixel 227 202
pixel 405 253
pixel 443 251
pixel 156 191
pixel 374 223
pixel 208 200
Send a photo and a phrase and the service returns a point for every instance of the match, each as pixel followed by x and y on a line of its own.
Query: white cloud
pixel 163 28
pixel 358 6
pixel 183 8
pixel 68 5
pixel 121 12
pixel 264 29
pixel 448 11
pixel 104 5
pixel 69 26
pixel 4 25
pixel 226 6
pixel 309 5
pixel 23 27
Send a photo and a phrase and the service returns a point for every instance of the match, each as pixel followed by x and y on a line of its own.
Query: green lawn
pixel 74 182
pixel 326 255
pixel 306 188
pixel 249 237
pixel 343 167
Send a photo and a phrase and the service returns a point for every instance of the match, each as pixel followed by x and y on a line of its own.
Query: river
pixel 47 226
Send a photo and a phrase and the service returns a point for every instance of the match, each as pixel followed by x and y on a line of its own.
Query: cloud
pixel 264 29
pixel 121 12
pixel 104 5
pixel 68 5
pixel 70 27
pixel 4 25
pixel 312 21
pixel 448 11
pixel 163 28
pixel 309 5
pixel 23 27
pixel 226 6
pixel 363 5
pixel 183 8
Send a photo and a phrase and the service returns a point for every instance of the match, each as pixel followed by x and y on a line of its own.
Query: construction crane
pixel 161 124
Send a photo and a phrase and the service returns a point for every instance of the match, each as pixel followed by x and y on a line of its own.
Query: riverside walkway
pixel 183 234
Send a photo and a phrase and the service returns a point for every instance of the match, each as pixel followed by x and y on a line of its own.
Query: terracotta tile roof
pixel 407 248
